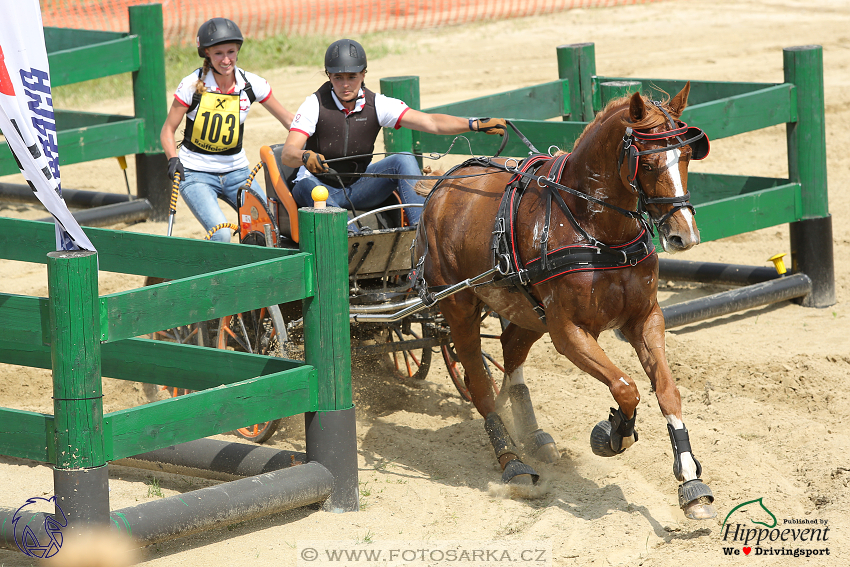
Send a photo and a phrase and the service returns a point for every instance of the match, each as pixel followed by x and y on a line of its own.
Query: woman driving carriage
pixel 342 120
pixel 215 100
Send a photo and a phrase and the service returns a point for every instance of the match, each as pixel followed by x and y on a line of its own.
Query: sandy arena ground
pixel 762 390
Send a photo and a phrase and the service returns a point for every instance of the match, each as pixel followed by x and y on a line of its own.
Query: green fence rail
pixel 555 114
pixel 82 336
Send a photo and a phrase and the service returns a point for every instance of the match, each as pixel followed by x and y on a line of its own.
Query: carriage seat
pixel 280 179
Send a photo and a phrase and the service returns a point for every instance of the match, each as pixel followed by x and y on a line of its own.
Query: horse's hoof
pixel 600 439
pixel 543 447
pixel 695 500
pixel 517 472
pixel 603 439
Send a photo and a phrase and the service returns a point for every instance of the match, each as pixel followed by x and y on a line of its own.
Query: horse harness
pixel 589 256
pixel 694 137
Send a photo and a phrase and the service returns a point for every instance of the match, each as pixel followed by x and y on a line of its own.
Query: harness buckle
pixel 541 313
pixel 522 275
pixel 499 227
pixel 503 265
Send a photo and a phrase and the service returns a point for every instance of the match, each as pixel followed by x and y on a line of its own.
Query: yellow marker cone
pixel 320 197
pixel 122 162
pixel 778 263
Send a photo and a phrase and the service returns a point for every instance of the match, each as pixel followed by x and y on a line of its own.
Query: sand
pixel 761 389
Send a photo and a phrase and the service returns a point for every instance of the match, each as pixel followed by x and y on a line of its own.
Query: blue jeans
pixel 201 191
pixel 369 192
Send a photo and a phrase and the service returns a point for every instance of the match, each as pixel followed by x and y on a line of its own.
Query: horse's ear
pixel 637 108
pixel 680 101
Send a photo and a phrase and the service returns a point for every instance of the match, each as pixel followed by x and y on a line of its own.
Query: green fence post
pixel 149 100
pixel 577 64
pixel 609 90
pixel 403 139
pixel 811 238
pixel 80 473
pixel 331 431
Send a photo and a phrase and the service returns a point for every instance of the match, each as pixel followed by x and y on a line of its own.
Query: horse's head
pixel 654 157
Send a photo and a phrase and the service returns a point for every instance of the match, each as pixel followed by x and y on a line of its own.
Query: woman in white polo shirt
pixel 215 100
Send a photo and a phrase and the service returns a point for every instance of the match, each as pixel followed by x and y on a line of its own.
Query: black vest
pixel 339 135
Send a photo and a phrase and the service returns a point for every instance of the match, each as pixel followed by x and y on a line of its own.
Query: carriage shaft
pixel 420 305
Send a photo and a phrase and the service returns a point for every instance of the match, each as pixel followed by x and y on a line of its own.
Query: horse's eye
pixel 646 166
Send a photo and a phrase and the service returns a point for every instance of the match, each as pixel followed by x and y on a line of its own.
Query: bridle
pixel 693 137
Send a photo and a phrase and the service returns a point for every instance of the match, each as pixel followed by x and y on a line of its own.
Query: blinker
pixel 700 147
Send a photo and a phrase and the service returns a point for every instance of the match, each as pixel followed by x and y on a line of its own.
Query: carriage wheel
pixel 194 334
pixel 261 331
pixel 413 363
pixel 492 365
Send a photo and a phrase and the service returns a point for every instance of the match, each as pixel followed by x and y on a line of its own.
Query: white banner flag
pixel 26 114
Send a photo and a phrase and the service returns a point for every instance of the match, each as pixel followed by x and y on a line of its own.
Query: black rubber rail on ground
pixel 136 210
pixel 16 193
pixel 214 459
pixel 273 483
pixel 713 272
pixel 747 297
pixel 190 512
pixel 226 503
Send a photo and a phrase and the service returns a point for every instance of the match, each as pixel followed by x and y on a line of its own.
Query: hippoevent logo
pixel 26 539
pixel 795 537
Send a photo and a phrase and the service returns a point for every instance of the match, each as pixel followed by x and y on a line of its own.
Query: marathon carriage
pixel 389 324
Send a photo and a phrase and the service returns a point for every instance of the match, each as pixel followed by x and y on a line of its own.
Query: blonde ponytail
pixel 200 87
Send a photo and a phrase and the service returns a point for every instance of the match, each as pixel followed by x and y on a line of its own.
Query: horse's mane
pixel 654 117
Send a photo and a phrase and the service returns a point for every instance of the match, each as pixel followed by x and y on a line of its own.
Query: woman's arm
pixel 172 121
pixel 278 111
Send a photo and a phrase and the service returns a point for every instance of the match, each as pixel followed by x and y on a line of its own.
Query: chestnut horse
pixel 572 245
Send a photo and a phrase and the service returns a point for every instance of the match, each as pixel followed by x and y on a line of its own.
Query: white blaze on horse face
pixel 679 186
pixel 689 466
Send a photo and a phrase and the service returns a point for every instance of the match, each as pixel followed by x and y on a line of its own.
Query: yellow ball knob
pixel 319 193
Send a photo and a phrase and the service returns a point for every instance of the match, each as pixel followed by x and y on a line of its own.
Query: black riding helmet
pixel 216 31
pixel 345 56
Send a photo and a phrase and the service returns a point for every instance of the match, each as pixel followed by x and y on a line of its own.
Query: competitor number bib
pixel 216 125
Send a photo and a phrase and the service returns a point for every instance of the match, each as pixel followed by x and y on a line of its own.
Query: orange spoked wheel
pixel 260 331
pixel 415 361
pixel 195 334
pixel 491 348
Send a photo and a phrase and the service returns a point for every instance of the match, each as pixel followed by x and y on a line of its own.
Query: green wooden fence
pixel 75 56
pixel 726 205
pixel 82 336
